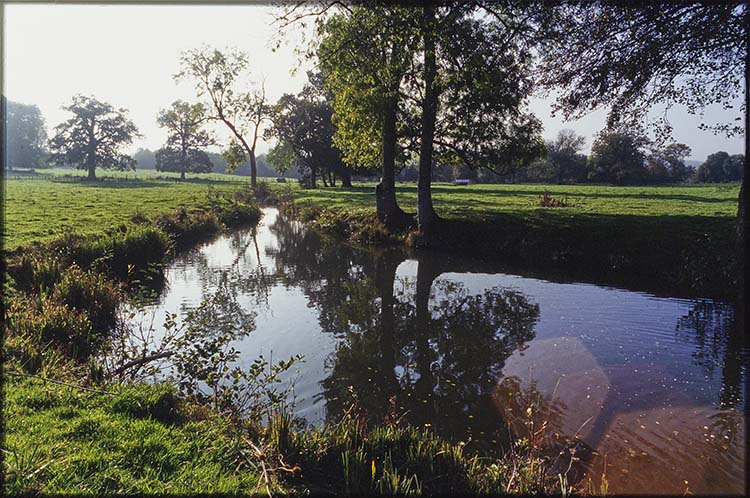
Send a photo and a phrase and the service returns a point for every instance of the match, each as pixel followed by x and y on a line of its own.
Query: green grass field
pixel 62 440
pixel 479 202
pixel 44 207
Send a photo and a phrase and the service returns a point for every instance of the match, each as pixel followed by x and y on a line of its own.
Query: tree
pixel 282 157
pixel 566 163
pixel 26 136
pixel 633 58
pixel 93 137
pixel 216 75
pixel 618 155
pixel 303 125
pixel 145 159
pixel 473 79
pixel 667 164
pixel 364 53
pixel 186 139
pixel 720 167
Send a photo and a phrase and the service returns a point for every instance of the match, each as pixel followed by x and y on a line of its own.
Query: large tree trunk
pixel 385 193
pixel 425 211
pixel 91 165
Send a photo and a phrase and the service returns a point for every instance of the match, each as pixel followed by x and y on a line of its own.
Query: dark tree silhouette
pixel 186 139
pixel 93 137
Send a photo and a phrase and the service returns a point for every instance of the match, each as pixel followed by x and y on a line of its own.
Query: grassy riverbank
pixel 73 250
pixel 665 239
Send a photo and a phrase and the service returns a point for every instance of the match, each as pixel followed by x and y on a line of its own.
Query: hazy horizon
pixel 126 55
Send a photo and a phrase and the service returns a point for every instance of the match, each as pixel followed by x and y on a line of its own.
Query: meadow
pixel 43 207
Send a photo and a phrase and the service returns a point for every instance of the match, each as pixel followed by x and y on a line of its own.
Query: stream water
pixel 651 386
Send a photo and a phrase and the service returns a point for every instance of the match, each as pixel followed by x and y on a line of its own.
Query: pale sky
pixel 126 55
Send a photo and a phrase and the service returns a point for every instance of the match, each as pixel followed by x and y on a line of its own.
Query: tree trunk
pixel 743 221
pixel 183 167
pixel 323 177
pixel 387 208
pixel 253 169
pixel 425 211
pixel 346 178
pixel 91 165
pixel 91 151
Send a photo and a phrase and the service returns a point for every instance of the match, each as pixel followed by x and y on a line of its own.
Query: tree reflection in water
pixel 719 344
pixel 431 348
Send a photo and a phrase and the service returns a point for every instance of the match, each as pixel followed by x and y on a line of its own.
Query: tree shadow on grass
pixel 502 192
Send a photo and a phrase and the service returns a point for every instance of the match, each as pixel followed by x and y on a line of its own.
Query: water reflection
pixel 653 384
pixel 719 344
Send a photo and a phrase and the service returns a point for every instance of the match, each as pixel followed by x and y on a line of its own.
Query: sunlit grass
pixel 63 440
pixel 43 208
pixel 486 201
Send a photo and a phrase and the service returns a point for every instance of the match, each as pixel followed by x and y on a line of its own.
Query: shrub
pixel 140 247
pixel 186 227
pixel 33 323
pixel 91 294
pixel 546 200
pixel 240 213
pixel 33 272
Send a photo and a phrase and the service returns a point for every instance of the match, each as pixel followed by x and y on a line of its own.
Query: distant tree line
pixel 619 157
pixel 146 160
pixel 305 150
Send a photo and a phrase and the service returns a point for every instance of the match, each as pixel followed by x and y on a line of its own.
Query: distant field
pixel 43 207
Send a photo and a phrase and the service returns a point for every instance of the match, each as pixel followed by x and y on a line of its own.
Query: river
pixel 650 386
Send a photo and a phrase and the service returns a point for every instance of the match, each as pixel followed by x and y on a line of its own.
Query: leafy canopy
pixel 633 57
pixel 218 76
